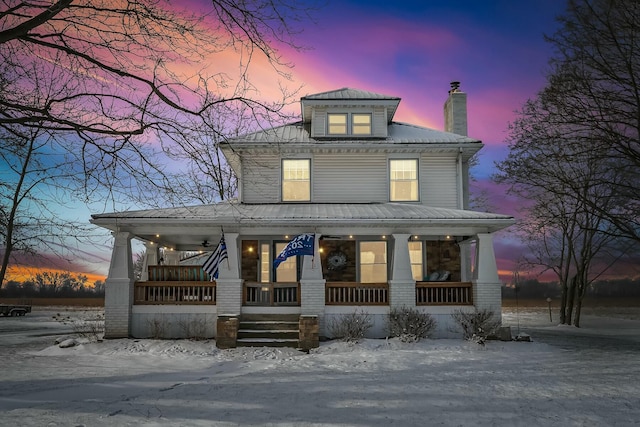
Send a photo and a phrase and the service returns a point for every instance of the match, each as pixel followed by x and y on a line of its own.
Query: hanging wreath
pixel 336 260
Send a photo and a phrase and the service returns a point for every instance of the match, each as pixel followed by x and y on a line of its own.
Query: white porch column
pixel 486 283
pixel 465 261
pixel 229 284
pixel 118 297
pixel 402 287
pixel 312 285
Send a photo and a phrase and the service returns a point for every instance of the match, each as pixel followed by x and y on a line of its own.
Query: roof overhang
pixel 185 228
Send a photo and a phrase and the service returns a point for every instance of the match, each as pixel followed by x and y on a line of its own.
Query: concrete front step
pixel 269 325
pixel 256 342
pixel 268 330
pixel 267 335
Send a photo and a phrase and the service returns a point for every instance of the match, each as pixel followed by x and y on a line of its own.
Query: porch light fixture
pixel 350 236
pixel 264 289
pixel 384 237
pixel 250 248
pixel 286 237
pixel 157 235
pixel 321 250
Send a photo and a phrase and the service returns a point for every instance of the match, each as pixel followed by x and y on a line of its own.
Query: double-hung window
pixel 357 124
pixel 373 262
pixel 287 270
pixel 337 124
pixel 361 124
pixel 296 180
pixel 403 180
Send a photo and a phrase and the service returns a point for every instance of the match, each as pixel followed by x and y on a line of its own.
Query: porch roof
pixel 190 224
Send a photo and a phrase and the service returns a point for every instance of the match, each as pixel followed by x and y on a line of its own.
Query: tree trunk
pixel 570 299
pixel 563 303
pixel 582 291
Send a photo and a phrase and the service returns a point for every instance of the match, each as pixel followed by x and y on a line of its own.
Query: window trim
pixel 360 264
pixel 346 123
pixel 421 262
pixel 370 124
pixel 282 180
pixel 349 124
pixel 417 179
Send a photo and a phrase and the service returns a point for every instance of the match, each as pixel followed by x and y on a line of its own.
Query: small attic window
pixel 337 124
pixel 349 124
pixel 361 124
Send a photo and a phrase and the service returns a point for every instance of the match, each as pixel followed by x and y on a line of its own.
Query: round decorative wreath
pixel 336 260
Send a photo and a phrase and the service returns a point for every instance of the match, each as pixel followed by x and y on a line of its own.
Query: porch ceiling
pixel 187 227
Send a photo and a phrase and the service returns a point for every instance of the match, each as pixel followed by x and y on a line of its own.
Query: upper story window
pixel 358 124
pixel 337 124
pixel 296 180
pixel 403 180
pixel 361 124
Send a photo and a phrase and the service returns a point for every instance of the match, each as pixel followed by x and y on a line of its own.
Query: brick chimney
pixel 455 111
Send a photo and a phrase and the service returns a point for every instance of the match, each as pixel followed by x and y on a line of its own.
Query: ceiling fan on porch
pixel 206 243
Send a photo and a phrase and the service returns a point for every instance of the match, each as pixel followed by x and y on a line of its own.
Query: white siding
pixel 319 122
pixel 261 179
pixel 349 177
pixel 379 122
pixel 438 181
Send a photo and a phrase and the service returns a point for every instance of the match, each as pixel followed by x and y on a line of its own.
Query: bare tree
pixel 95 96
pixel 575 149
pixel 34 181
pixel 560 179
pixel 594 86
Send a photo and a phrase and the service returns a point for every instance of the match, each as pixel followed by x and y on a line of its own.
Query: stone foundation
pixel 227 332
pixel 308 335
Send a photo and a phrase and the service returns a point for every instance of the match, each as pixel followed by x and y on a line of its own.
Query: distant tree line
pixel 53 284
pixel 532 288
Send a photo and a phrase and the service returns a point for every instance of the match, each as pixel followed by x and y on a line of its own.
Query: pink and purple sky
pixel 414 49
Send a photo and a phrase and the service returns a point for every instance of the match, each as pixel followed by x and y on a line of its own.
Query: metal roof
pixel 233 212
pixel 348 97
pixel 348 93
pixel 185 227
pixel 399 133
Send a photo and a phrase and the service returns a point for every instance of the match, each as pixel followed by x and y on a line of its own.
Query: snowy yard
pixel 566 377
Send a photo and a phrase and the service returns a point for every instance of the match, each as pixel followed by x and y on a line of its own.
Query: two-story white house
pixel 387 201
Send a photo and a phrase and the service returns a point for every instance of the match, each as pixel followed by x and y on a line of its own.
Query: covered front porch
pixel 375 256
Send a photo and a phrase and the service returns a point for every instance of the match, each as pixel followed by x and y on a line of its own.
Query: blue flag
pixel 212 264
pixel 302 244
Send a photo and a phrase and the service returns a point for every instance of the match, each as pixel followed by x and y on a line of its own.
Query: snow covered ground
pixel 565 377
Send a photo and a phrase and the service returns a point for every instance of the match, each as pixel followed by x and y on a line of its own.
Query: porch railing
pixel 444 293
pixel 272 294
pixel 177 273
pixel 349 293
pixel 193 293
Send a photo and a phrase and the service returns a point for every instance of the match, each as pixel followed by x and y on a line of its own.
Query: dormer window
pixel 361 124
pixel 358 124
